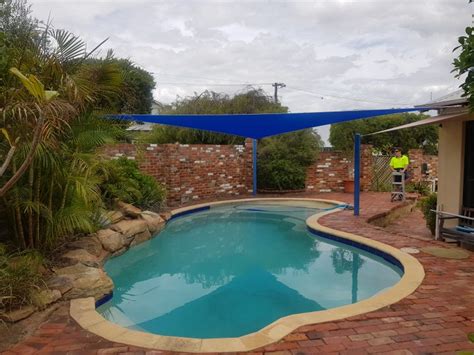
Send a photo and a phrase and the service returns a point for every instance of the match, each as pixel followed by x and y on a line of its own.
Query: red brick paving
pixel 434 319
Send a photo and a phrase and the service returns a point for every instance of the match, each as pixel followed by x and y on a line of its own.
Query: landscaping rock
pixel 153 220
pixel 61 283
pixel 128 209
pixel 130 227
pixel 18 314
pixel 111 240
pixel 91 244
pixel 119 252
pixel 115 216
pixel 45 297
pixel 80 256
pixel 86 281
pixel 140 238
pixel 166 216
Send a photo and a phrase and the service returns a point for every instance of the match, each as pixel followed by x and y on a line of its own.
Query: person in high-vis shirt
pixel 400 163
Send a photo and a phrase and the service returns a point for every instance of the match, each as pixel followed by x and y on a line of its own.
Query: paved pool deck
pixel 435 319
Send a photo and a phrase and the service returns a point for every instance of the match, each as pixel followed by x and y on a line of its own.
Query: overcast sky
pixel 332 54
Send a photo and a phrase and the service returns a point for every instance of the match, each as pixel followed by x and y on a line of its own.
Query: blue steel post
pixel 254 153
pixel 357 174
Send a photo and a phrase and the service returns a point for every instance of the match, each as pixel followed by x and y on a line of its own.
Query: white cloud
pixel 383 51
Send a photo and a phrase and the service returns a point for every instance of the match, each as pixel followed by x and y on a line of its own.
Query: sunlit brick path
pixel 435 319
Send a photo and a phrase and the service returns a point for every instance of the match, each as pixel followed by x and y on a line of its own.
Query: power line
pixel 276 86
pixel 322 95
pixel 210 84
pixel 195 77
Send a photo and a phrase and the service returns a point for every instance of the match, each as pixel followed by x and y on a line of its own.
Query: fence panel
pixel 382 174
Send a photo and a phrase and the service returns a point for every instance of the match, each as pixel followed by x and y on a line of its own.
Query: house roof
pixel 427 121
pixel 453 99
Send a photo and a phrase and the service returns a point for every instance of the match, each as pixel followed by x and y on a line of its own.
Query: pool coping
pixel 84 313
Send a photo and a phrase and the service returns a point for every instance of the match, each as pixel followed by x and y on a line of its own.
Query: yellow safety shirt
pixel 399 163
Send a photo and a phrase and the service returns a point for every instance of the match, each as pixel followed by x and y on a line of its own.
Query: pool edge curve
pixel 83 310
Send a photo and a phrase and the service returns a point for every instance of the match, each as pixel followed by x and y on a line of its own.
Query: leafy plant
pixel 421 187
pixel 49 129
pixel 124 181
pixel 20 275
pixel 281 175
pixel 427 204
pixel 283 160
pixel 464 64
pixel 342 134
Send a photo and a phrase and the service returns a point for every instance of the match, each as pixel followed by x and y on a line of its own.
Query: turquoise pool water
pixel 230 271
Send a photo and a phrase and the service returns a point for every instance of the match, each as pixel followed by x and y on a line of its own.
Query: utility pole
pixel 276 86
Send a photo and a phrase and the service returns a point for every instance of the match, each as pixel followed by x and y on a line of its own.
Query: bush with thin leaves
pixel 427 204
pixel 283 159
pixel 125 182
pixel 421 187
pixel 20 276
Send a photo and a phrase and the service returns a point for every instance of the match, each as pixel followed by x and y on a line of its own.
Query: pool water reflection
pixel 232 270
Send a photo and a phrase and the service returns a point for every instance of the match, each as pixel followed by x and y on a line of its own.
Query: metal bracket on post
pixel 254 164
pixel 357 174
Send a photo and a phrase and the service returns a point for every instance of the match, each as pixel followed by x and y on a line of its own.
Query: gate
pixel 382 174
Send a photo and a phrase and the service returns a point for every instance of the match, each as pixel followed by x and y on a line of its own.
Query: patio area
pixel 435 319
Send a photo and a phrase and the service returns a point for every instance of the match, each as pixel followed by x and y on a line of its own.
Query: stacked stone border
pixel 81 273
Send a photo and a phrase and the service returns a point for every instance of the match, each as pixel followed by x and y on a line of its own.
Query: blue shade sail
pixel 258 126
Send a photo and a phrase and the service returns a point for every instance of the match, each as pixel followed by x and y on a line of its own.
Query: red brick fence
pixel 196 172
pixel 193 172
pixel 332 168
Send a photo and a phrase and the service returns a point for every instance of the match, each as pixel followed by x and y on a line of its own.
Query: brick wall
pixel 193 172
pixel 333 167
pixel 417 160
pixel 328 172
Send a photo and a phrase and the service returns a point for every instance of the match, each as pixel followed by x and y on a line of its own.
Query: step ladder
pixel 398 186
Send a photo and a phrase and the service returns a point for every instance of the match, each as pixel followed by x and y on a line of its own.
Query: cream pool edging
pixel 84 313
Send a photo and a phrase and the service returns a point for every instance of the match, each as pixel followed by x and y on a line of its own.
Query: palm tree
pixel 49 176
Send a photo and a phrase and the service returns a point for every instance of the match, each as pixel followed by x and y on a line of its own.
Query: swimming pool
pixel 233 269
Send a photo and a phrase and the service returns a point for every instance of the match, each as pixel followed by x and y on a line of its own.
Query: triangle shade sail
pixel 427 121
pixel 260 125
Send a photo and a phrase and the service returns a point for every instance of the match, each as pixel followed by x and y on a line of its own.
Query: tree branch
pixel 29 158
pixel 7 161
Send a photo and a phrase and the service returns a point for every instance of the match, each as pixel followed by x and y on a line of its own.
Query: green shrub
pixel 421 187
pixel 281 175
pixel 283 159
pixel 20 275
pixel 427 204
pixel 124 181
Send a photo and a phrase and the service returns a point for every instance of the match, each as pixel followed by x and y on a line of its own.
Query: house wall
pixel 451 164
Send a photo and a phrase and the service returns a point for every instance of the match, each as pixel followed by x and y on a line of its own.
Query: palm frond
pixel 69 47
